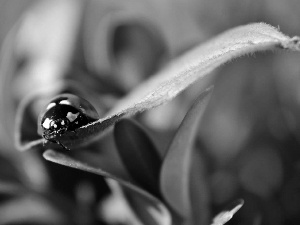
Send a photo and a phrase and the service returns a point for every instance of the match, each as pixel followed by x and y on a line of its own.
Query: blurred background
pixel 102 49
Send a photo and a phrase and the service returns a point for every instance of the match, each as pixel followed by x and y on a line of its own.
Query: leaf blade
pixel 224 47
pixel 138 151
pixel 226 215
pixel 190 67
pixel 65 160
pixel 187 69
pixel 177 164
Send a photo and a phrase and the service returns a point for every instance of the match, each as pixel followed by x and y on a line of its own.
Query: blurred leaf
pixel 65 160
pixel 121 38
pixel 138 151
pixel 8 171
pixel 137 52
pixel 45 41
pixel 24 132
pixel 146 210
pixel 7 63
pixel 183 72
pixel 200 189
pixel 176 168
pixel 226 215
pixel 99 22
pixel 30 209
pixel 261 171
pixel 8 189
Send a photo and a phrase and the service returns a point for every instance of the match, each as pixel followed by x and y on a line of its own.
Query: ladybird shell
pixel 74 106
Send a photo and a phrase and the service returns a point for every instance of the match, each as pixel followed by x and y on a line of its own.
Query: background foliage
pixel 245 144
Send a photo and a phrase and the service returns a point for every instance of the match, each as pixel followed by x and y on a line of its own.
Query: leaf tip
pixel 292 44
pixel 49 155
pixel 226 215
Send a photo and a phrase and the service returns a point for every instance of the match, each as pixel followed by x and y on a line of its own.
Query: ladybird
pixel 65 112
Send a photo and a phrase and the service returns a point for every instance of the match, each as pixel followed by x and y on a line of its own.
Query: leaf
pixel 7 64
pixel 31 210
pixel 24 135
pixel 177 165
pixel 226 215
pixel 146 211
pixel 62 159
pixel 11 189
pixel 138 151
pixel 200 190
pixel 116 32
pixel 184 71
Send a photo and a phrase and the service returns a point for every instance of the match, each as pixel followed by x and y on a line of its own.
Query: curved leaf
pixel 23 135
pixel 138 151
pixel 30 209
pixel 184 71
pixel 7 59
pixel 11 189
pixel 200 190
pixel 162 211
pixel 146 211
pixel 226 215
pixel 176 170
pixel 111 27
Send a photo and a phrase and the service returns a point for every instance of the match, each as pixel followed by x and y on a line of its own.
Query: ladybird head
pixel 53 128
